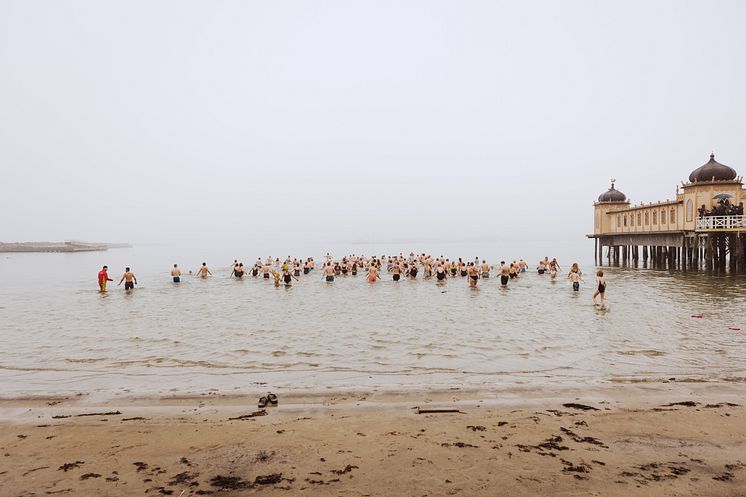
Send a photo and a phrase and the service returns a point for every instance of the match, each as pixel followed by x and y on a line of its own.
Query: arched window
pixel 689 210
pixel 597 219
pixel 618 220
pixel 639 219
pixel 625 220
pixel 631 219
pixel 673 215
pixel 655 217
pixel 663 216
pixel 647 218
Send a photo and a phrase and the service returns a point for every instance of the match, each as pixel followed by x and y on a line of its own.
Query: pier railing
pixel 721 223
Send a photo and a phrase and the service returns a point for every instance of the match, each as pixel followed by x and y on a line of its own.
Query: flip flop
pixel 272 398
pixel 263 402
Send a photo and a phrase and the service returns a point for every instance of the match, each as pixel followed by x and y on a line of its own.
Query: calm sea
pixel 59 336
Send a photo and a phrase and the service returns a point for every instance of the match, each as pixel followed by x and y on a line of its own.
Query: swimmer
pixel 288 278
pixel 574 277
pixel 504 274
pixel 129 279
pixel 600 288
pixel 542 267
pixel 473 273
pixel 553 268
pixel 485 269
pixel 103 277
pixel 523 266
pixel 396 270
pixel 440 273
pixel 373 274
pixel 413 271
pixel 176 273
pixel 203 271
pixel 328 272
pixel 276 275
pixel 238 271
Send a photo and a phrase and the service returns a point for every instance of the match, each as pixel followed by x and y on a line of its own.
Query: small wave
pixel 86 361
pixel 647 352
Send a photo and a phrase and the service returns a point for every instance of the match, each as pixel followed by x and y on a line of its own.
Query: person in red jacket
pixel 103 277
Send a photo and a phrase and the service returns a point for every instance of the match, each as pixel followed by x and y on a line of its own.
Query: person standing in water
pixel 203 271
pixel 522 265
pixel 574 277
pixel 504 274
pixel 288 278
pixel 103 277
pixel 373 274
pixel 473 274
pixel 553 268
pixel 396 269
pixel 485 269
pixel 129 279
pixel 176 273
pixel 328 272
pixel 600 288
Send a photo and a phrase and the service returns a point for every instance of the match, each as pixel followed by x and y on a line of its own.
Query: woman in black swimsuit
pixel 600 288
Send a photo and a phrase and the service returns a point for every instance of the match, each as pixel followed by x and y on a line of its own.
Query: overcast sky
pixel 159 121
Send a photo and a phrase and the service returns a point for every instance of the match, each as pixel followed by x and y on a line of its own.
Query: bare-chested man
pixel 176 273
pixel 203 271
pixel 485 269
pixel 396 269
pixel 328 272
pixel 473 273
pixel 504 273
pixel 129 279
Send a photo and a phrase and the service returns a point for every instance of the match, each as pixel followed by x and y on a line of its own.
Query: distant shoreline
pixel 70 246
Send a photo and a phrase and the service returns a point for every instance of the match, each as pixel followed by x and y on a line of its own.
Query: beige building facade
pixel 677 224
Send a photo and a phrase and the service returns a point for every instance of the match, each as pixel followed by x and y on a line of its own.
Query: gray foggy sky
pixel 239 120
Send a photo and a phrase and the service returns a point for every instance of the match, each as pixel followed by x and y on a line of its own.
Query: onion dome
pixel 713 171
pixel 612 195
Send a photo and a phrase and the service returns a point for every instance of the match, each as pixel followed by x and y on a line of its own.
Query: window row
pixel 624 220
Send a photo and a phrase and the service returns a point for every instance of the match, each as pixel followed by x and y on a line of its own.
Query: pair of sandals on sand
pixel 269 400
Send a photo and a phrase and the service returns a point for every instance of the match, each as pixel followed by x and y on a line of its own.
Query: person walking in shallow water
pixel 328 272
pixel 203 271
pixel 473 274
pixel 103 277
pixel 129 279
pixel 575 277
pixel 600 288
pixel 176 273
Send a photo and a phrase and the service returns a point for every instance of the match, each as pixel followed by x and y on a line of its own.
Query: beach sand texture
pixel 354 447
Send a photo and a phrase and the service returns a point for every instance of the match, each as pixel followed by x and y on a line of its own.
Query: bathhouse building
pixel 702 226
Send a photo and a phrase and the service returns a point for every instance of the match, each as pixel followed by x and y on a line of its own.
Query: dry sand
pixel 358 445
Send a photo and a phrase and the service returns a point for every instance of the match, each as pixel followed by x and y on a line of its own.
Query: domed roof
pixel 612 195
pixel 713 171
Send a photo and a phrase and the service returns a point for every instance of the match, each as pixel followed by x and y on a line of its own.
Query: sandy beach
pixel 678 440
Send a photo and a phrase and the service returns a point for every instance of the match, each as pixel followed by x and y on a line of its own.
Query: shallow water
pixel 58 335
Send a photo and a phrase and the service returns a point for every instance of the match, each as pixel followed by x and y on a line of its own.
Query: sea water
pixel 60 336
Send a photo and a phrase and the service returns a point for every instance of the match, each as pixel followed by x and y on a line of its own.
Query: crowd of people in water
pixel 398 267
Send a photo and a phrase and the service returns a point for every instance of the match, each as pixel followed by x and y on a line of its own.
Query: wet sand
pixel 688 441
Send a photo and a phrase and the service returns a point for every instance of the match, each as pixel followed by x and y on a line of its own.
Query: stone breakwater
pixel 56 247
